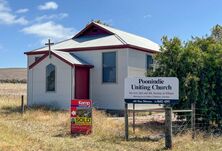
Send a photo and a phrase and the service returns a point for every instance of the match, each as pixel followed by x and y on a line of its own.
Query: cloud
pixel 23 10
pixel 49 30
pixel 147 16
pixel 50 17
pixel 7 17
pixel 48 5
pixel 4 6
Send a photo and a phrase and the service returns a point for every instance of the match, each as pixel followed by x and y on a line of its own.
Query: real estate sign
pixel 81 116
pixel 151 90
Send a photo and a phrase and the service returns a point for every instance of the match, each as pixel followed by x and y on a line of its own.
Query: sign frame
pixel 147 90
pixel 81 116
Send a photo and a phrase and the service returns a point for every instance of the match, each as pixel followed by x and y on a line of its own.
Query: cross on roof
pixel 49 44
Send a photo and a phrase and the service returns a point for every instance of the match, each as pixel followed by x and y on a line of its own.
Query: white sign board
pixel 151 90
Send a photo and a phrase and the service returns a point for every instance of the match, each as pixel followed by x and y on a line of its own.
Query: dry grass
pixel 42 129
pixel 10 90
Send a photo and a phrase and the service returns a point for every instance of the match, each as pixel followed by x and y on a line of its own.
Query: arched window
pixel 50 77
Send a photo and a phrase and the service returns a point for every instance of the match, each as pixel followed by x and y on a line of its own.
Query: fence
pixel 168 122
pixel 149 121
pixel 13 102
pixel 194 120
pixel 183 121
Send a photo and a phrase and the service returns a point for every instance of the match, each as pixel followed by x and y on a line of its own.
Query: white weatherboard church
pixel 91 65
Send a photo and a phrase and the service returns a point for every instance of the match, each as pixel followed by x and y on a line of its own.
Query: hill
pixel 13 74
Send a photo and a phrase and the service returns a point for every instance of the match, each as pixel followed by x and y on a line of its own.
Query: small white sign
pixel 151 90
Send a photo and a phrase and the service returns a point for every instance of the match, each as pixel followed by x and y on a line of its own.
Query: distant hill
pixel 9 74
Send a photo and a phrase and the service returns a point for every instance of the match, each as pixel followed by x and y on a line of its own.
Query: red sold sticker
pixel 81 116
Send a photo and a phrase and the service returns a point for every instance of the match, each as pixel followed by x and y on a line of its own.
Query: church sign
pixel 81 116
pixel 151 90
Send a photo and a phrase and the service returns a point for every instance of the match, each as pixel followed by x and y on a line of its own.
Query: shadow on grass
pixel 66 135
pixel 10 109
pixel 153 126
pixel 17 109
pixel 49 108
pixel 69 135
pixel 142 139
pixel 152 138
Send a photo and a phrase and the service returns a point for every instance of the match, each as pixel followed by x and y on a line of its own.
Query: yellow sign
pixel 83 121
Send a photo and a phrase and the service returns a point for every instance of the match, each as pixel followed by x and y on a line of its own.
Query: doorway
pixel 82 82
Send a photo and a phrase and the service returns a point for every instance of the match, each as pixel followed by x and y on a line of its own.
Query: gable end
pixel 93 29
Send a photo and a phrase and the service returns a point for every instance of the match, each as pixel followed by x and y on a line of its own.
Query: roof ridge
pixel 128 33
pixel 120 39
pixel 52 45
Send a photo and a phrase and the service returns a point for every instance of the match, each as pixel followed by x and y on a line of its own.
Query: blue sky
pixel 27 24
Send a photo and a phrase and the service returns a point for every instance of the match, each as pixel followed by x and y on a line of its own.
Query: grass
pixel 43 129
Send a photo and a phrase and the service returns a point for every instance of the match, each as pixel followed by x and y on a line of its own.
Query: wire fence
pixel 203 123
pixel 15 103
pixel 181 123
pixel 147 124
pixel 152 122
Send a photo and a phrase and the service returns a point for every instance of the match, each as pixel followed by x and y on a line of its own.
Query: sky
pixel 27 24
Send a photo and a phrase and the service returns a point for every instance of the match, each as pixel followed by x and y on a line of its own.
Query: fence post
pixel 22 104
pixel 193 120
pixel 133 118
pixel 126 123
pixel 168 127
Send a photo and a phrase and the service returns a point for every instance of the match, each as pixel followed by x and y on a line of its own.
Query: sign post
pixel 81 116
pixel 152 90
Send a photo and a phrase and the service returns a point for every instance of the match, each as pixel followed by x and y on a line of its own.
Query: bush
pixel 13 81
pixel 197 64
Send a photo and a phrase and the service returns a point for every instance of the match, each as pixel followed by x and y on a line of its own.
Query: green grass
pixel 42 129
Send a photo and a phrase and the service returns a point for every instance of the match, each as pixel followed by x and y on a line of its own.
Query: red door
pixel 81 83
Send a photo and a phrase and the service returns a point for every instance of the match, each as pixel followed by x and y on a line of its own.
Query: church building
pixel 91 65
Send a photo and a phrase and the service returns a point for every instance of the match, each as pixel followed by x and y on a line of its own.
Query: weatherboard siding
pixel 37 85
pixel 137 62
pixel 106 95
pixel 130 62
pixel 137 67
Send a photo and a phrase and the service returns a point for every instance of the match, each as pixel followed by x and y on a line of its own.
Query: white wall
pixel 106 95
pixel 37 84
pixel 137 62
pixel 130 62
pixel 137 67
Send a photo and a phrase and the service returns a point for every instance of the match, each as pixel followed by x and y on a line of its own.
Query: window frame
pixel 46 79
pixel 116 67
pixel 151 69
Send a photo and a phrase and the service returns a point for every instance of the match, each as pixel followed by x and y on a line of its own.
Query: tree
pixel 99 21
pixel 216 33
pixel 182 61
pixel 197 64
